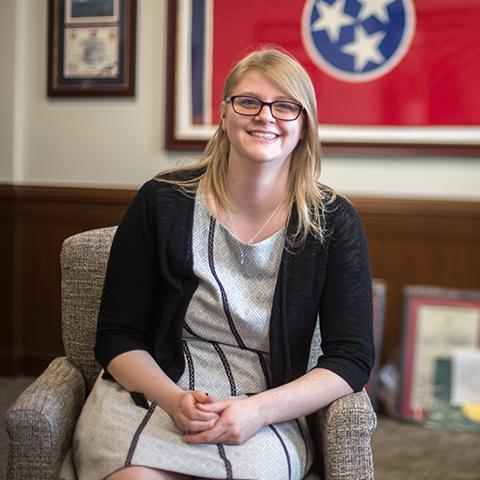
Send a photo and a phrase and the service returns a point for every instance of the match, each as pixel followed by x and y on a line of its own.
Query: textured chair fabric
pixel 40 423
pixel 83 261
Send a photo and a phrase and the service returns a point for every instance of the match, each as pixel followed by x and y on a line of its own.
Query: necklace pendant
pixel 241 258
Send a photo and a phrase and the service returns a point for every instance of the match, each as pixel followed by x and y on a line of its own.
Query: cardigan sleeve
pixel 131 280
pixel 346 309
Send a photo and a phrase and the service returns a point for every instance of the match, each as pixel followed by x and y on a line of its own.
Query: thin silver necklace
pixel 250 242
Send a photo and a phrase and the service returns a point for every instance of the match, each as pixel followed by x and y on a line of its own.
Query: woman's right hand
pixel 188 417
pixel 160 389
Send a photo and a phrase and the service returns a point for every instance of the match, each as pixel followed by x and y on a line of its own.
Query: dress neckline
pixel 270 239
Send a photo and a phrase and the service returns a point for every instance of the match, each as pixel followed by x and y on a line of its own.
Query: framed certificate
pixel 398 76
pixel 91 47
pixel 437 322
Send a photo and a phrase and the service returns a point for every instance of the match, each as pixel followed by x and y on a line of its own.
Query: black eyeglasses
pixel 251 106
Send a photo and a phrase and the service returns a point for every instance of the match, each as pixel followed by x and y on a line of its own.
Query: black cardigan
pixel 150 282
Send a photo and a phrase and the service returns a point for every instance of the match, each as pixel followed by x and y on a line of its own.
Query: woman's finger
pixel 194 413
pixel 189 408
pixel 192 427
pixel 201 397
pixel 208 436
pixel 217 407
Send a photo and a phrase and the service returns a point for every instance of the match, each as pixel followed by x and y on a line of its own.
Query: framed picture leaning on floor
pixel 441 342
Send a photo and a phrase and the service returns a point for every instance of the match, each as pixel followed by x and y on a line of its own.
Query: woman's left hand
pixel 239 420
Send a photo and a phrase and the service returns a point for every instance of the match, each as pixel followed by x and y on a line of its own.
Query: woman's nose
pixel 265 113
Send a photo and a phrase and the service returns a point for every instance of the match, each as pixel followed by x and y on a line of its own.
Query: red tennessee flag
pixel 382 62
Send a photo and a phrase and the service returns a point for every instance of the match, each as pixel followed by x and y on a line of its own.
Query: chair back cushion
pixel 83 262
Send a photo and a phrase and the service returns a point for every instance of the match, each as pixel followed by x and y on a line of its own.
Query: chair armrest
pixel 344 430
pixel 40 423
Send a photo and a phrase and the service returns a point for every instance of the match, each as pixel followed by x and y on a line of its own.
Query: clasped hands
pixel 231 421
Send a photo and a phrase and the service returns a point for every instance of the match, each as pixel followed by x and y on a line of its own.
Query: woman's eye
pixel 286 107
pixel 249 103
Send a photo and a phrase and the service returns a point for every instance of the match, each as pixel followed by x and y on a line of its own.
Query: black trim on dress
pixel 188 328
pixel 226 307
pixel 191 370
pixel 226 461
pixel 226 366
pixel 287 455
pixel 136 436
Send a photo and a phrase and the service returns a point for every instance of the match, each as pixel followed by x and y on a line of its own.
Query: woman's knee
pixel 144 473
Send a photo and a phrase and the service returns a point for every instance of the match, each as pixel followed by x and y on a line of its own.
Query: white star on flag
pixel 377 8
pixel 365 48
pixel 331 18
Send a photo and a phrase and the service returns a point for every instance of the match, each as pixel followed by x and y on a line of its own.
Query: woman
pixel 216 278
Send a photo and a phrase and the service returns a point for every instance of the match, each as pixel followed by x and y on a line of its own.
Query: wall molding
pixel 412 241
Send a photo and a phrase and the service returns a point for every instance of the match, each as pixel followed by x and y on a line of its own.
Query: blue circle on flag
pixel 357 40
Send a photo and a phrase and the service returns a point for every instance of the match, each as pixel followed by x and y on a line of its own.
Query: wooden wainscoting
pixel 420 242
pixel 411 242
pixel 33 223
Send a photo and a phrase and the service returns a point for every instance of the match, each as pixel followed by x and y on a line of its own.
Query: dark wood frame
pixel 172 142
pixel 414 297
pixel 98 86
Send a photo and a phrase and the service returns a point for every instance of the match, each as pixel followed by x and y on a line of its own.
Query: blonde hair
pixel 310 196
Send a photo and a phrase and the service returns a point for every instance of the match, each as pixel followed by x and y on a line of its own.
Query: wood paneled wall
pixel 420 242
pixel 411 242
pixel 33 223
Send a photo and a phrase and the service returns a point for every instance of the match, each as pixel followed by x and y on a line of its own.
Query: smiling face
pixel 260 138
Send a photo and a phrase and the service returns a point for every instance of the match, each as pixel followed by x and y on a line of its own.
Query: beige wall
pixel 7 45
pixel 119 142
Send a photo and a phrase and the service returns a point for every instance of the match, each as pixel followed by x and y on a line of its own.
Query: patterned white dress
pixel 226 349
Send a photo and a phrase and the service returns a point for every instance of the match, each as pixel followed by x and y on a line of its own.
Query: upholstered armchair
pixel 40 423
